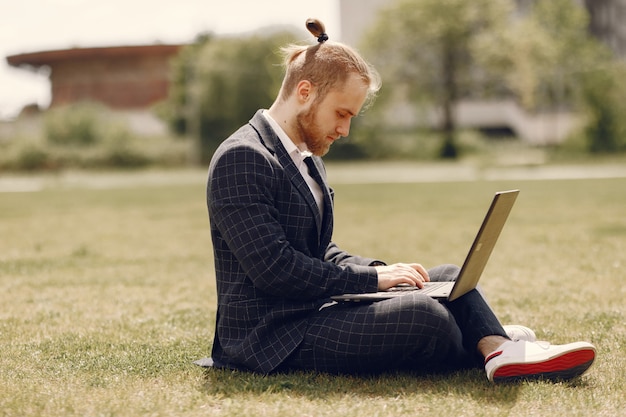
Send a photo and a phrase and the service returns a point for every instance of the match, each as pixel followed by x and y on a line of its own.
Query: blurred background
pixel 87 84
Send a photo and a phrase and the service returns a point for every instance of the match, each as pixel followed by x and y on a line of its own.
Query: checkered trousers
pixel 412 332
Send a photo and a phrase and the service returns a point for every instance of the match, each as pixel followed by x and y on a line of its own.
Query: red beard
pixel 311 133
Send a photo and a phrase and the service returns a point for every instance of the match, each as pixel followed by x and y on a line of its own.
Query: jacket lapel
pixel 274 145
pixel 319 174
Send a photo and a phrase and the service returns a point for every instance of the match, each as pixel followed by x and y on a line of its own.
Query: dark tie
pixel 327 218
pixel 313 172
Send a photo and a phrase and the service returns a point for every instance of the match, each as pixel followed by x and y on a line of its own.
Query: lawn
pixel 107 297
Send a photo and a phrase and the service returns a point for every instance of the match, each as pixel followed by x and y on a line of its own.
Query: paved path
pixel 339 173
pixel 416 172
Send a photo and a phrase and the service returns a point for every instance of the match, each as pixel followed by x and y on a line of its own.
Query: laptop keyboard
pixel 428 287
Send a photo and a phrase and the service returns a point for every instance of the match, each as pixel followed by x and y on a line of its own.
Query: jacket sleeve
pixel 339 257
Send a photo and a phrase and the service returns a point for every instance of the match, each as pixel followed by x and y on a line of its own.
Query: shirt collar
pixel 294 152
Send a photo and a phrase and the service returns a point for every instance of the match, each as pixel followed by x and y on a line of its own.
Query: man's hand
pixel 409 274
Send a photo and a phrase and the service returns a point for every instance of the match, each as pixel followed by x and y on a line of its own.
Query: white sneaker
pixel 539 360
pixel 517 332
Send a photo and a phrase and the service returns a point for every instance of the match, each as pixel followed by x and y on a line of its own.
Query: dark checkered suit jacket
pixel 275 262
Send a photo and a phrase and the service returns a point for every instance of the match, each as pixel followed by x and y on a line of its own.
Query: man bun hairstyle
pixel 317 29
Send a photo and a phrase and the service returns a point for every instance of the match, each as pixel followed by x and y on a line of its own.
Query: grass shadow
pixel 470 384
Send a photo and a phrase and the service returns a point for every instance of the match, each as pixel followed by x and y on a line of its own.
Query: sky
pixel 42 25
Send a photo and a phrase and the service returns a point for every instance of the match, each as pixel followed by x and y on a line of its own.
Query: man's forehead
pixel 350 96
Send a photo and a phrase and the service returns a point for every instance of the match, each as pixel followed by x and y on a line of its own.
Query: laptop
pixel 473 265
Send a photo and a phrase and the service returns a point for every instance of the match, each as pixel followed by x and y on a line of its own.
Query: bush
pixel 78 124
pixel 32 156
pixel 25 154
pixel 603 92
pixel 119 149
pixel 89 136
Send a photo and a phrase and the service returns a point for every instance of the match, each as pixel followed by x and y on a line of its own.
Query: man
pixel 271 215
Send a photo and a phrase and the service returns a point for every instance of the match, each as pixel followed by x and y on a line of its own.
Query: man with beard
pixel 271 216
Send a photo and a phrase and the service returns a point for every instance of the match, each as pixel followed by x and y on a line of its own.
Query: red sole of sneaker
pixel 566 366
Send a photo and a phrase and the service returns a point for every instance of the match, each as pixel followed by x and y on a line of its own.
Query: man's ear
pixel 304 91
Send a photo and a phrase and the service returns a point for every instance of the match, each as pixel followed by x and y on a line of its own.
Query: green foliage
pixel 433 53
pixel 556 64
pixel 219 83
pixel 25 153
pixel 86 135
pixel 78 124
pixel 121 151
pixel 540 56
pixel 594 83
pixel 175 110
pixel 603 92
pixel 32 156
pixel 519 72
pixel 424 50
pixel 425 46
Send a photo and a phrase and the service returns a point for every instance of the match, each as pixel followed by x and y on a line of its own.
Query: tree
pixel 540 55
pixel 426 49
pixel 219 83
pixel 603 92
pixel 174 110
pixel 549 61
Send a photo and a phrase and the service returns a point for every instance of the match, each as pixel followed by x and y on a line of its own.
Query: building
pixel 122 77
pixel 127 79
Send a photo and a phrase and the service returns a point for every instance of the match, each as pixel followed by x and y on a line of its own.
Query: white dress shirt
pixel 298 155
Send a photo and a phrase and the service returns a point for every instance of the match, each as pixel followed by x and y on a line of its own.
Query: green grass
pixel 107 297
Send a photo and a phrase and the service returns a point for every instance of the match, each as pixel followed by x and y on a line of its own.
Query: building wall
pixel 122 83
pixel 356 16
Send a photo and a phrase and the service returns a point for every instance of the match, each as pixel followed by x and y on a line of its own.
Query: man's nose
pixel 343 129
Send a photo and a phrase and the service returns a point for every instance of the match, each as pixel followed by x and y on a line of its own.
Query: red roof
pixel 38 59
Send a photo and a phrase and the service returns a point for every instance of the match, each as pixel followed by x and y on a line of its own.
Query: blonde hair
pixel 326 65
